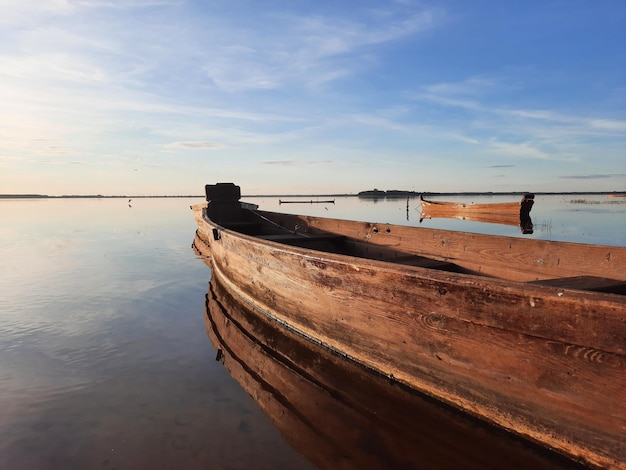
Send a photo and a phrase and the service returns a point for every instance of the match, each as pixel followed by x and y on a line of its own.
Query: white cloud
pixel 477 85
pixel 13 10
pixel 198 145
pixel 107 83
pixel 58 66
pixel 609 125
pixel 516 150
pixel 309 49
pixel 543 133
pixel 447 101
pixel 416 130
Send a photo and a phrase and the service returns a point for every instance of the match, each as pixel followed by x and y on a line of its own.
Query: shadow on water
pixel 340 415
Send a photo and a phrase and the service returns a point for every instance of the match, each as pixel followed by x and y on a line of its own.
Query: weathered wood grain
pixel 505 213
pixel 340 415
pixel 546 362
pixel 516 259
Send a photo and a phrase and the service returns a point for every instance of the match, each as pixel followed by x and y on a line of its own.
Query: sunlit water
pixel 104 360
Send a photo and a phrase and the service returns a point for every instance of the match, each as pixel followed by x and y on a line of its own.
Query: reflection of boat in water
pixel 516 214
pixel 340 415
pixel 525 334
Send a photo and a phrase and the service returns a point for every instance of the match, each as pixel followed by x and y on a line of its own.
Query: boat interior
pixel 225 209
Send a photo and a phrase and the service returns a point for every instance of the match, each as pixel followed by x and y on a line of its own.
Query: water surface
pixel 104 358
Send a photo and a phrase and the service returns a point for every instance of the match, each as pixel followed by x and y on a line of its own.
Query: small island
pixel 392 193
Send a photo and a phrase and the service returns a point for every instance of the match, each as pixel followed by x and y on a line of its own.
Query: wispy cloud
pixel 406 127
pixel 610 125
pixel 279 162
pixel 516 150
pixel 593 177
pixel 311 49
pixel 480 94
pixel 296 162
pixel 202 145
pixel 56 162
pixel 449 101
pixel 297 86
pixel 511 131
pixel 478 85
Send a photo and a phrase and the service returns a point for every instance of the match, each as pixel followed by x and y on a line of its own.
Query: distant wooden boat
pixel 528 335
pixel 616 195
pixel 327 407
pixel 311 201
pixel 516 214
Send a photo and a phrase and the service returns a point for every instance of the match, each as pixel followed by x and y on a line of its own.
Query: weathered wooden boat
pixel 529 335
pixel 310 201
pixel 516 214
pixel 339 415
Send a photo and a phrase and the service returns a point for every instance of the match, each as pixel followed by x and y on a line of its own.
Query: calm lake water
pixel 104 357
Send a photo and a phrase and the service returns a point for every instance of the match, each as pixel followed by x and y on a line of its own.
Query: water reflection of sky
pixel 104 361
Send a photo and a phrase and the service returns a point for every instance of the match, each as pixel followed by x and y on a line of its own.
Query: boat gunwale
pixel 482 236
pixel 425 272
pixel 502 238
pixel 437 274
pixel 527 289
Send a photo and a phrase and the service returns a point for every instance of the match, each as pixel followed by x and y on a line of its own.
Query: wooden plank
pixel 294 237
pixel 591 283
pixel 509 258
pixel 422 262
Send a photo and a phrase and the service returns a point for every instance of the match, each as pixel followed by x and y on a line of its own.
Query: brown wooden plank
pixel 592 283
pixel 294 237
pixel 510 258
pixel 422 261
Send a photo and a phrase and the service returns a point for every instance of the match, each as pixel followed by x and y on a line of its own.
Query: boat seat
pixel 591 283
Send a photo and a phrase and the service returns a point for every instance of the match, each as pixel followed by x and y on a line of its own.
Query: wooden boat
pixel 516 214
pixel 529 335
pixel 311 201
pixel 327 408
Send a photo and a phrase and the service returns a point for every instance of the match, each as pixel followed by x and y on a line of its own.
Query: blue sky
pixel 162 96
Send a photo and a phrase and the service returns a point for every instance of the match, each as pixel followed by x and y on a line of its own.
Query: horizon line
pixel 383 193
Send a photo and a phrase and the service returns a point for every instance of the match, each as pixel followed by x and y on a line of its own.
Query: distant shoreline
pixel 393 194
pixel 88 196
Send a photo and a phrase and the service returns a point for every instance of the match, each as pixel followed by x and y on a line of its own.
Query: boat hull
pixel 516 214
pixel 544 362
pixel 327 407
